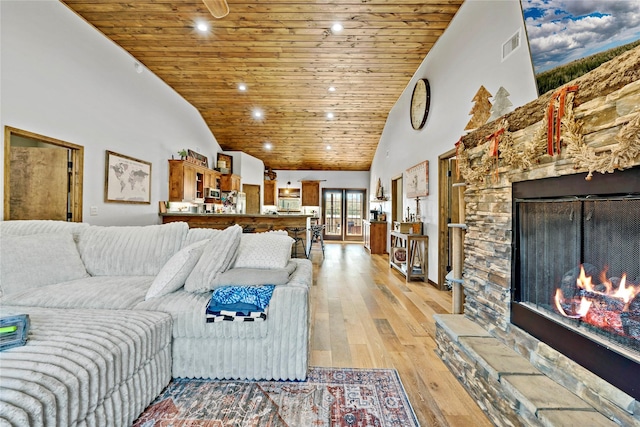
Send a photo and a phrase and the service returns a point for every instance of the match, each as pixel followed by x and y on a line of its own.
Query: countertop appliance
pixel 211 193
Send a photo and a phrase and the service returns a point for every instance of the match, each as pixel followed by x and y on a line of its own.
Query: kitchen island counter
pixel 249 222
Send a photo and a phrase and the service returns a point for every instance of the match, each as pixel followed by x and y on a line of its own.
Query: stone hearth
pixel 515 378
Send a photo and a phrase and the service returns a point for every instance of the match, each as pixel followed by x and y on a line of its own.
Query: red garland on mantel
pixel 493 147
pixel 553 126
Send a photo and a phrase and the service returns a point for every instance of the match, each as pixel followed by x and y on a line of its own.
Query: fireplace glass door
pixel 579 263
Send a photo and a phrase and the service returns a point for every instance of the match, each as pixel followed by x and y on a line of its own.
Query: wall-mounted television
pixel 568 38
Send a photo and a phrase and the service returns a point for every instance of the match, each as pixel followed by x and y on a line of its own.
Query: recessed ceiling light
pixel 257 114
pixel 242 87
pixel 337 27
pixel 268 146
pixel 328 147
pixel 202 27
pixel 329 115
pixel 332 89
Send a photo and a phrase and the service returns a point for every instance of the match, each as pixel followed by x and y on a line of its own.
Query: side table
pixel 408 255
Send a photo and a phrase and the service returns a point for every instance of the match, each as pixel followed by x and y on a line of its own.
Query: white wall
pixel 467 56
pixel 62 78
pixel 251 169
pixel 329 179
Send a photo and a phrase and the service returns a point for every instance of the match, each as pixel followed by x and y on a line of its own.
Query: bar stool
pixel 317 235
pixel 296 240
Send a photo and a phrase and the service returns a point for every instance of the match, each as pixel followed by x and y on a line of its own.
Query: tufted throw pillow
pixel 264 250
pixel 37 260
pixel 217 256
pixel 175 272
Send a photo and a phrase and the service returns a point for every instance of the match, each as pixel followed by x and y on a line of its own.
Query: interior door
pixel 332 208
pixel 354 214
pixel 396 199
pixel 450 202
pixel 344 210
pixel 39 186
pixel 253 198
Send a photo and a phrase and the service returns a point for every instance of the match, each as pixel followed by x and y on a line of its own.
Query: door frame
pixel 343 207
pixel 396 198
pixel 76 170
pixel 448 207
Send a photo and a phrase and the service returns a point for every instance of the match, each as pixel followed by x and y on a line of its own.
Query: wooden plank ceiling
pixel 288 56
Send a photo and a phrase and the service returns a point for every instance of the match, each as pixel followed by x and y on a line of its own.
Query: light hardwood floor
pixel 366 316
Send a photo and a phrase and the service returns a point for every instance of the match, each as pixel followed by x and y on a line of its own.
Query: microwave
pixel 211 193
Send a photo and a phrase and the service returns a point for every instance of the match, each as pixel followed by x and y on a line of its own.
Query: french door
pixel 343 210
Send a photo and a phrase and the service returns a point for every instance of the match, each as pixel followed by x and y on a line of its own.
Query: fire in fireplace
pixel 608 304
pixel 576 281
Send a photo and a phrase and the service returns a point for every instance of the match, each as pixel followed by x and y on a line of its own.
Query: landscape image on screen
pixel 569 38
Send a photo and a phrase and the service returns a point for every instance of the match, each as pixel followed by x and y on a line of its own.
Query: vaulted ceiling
pixel 287 55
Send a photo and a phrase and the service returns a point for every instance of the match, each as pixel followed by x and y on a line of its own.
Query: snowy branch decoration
pixel 492 151
pixel 555 130
pixel 508 152
pixel 624 155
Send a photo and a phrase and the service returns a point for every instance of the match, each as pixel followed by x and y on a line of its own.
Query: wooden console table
pixel 413 264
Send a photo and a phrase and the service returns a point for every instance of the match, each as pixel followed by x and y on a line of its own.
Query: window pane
pixel 333 213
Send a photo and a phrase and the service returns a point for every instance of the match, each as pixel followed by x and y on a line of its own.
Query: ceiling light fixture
pixel 329 115
pixel 328 147
pixel 332 89
pixel 257 114
pixel 268 146
pixel 242 87
pixel 218 8
pixel 337 27
pixel 202 27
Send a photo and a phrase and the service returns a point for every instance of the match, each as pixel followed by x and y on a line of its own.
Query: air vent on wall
pixel 511 45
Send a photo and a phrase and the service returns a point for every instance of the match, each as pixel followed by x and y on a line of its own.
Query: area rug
pixel 329 397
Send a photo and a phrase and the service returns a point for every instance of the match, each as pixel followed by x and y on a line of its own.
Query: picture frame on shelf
pixel 126 179
pixel 197 158
pixel 228 162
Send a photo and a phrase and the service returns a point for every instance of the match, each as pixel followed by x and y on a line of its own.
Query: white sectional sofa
pixel 117 311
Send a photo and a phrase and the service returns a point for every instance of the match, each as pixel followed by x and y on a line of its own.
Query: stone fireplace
pixel 576 271
pixel 561 196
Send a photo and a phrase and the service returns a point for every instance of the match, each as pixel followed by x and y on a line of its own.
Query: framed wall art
pixel 197 158
pixel 126 180
pixel 416 180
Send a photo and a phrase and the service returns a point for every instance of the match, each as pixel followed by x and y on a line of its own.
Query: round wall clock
pixel 420 100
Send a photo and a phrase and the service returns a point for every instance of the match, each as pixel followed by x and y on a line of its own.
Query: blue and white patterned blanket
pixel 239 303
pixel 256 295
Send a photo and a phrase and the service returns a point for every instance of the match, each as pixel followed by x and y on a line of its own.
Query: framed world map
pixel 127 180
pixel 416 180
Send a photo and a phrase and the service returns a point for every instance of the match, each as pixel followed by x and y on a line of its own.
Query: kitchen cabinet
pixel 310 193
pixel 375 236
pixel 230 182
pixel 270 187
pixel 187 180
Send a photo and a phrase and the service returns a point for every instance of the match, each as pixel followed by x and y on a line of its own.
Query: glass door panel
pixel 344 211
pixel 355 214
pixel 333 214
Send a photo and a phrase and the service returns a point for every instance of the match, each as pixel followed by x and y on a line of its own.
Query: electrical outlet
pixel 93 211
